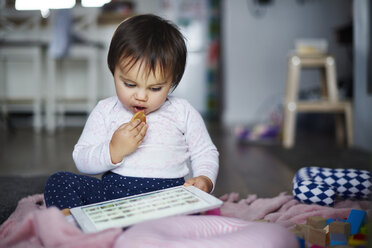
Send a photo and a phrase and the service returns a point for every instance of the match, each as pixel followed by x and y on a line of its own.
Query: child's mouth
pixel 138 108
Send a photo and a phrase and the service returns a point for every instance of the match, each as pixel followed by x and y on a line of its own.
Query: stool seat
pixel 329 103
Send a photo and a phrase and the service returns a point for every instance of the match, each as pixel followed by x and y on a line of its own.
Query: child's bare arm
pixel 126 139
pixel 201 182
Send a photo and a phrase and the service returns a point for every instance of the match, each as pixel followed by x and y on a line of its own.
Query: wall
pixel 363 101
pixel 255 51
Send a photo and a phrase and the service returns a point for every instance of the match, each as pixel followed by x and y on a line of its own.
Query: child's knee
pixel 58 177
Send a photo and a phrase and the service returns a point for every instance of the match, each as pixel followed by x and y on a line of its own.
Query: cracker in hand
pixel 139 115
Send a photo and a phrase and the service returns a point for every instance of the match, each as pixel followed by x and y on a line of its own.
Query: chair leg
pixel 37 105
pixel 51 96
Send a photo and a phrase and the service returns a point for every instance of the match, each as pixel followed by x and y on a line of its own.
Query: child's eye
pixel 156 88
pixel 129 85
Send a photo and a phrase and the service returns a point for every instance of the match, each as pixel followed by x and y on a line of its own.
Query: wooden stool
pixel 329 102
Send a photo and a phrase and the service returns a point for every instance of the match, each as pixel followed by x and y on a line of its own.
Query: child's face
pixel 138 90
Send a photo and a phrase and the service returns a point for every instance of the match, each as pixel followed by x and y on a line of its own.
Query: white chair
pixel 20 42
pixel 329 103
pixel 58 102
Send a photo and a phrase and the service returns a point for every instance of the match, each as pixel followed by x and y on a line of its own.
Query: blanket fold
pixel 32 225
pixel 284 209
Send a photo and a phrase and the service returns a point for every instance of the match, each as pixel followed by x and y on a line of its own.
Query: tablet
pixel 124 212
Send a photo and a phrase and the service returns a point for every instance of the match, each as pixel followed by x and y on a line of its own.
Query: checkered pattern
pixel 323 185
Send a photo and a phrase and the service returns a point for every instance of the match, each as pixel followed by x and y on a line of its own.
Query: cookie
pixel 139 115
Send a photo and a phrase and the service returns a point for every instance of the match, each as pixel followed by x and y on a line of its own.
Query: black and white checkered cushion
pixel 323 185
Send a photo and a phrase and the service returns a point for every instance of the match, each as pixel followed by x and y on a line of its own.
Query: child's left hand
pixel 201 182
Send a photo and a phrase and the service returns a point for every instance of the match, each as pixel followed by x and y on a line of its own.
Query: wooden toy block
pixel 355 218
pixel 298 233
pixel 316 222
pixel 302 228
pixel 337 239
pixel 335 219
pixel 338 227
pixel 317 236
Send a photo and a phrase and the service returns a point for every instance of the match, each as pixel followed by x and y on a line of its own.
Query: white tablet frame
pixel 88 227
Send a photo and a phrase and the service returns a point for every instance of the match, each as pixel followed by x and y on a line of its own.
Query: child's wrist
pixel 115 157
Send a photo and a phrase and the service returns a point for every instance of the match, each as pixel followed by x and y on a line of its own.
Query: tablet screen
pixel 127 211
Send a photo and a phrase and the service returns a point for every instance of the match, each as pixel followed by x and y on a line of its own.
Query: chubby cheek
pixel 124 98
pixel 157 102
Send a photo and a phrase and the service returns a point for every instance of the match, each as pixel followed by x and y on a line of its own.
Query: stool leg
pixel 289 128
pixel 340 128
pixel 349 125
pixel 289 124
pixel 323 85
pixel 330 68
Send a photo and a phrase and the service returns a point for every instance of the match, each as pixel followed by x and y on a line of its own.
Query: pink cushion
pixel 205 231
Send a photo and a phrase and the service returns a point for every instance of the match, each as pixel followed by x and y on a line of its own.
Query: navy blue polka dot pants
pixel 68 190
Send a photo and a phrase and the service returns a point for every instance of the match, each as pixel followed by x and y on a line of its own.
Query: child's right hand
pixel 126 139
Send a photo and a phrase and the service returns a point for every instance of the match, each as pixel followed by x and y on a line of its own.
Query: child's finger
pixel 142 132
pixel 122 126
pixel 201 185
pixel 189 182
pixel 134 124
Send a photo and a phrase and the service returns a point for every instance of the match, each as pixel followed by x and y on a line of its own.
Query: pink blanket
pixel 284 209
pixel 32 225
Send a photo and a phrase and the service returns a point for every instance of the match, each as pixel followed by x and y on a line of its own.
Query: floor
pixel 246 169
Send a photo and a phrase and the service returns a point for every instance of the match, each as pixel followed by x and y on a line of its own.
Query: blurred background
pixel 53 71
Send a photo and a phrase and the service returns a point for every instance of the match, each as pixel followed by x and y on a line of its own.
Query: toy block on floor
pixel 364 229
pixel 316 222
pixel 301 242
pixel 298 233
pixel 335 219
pixel 338 227
pixel 317 236
pixel 337 239
pixel 360 236
pixel 355 218
pixel 301 230
pixel 342 246
pixel 358 240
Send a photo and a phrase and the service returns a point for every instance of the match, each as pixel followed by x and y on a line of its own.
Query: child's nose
pixel 141 95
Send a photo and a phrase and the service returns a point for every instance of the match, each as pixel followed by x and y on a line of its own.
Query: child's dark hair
pixel 151 40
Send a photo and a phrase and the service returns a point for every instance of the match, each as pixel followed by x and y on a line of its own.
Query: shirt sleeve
pixel 91 153
pixel 203 153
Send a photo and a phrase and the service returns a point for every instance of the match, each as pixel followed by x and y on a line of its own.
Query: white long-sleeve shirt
pixel 176 135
